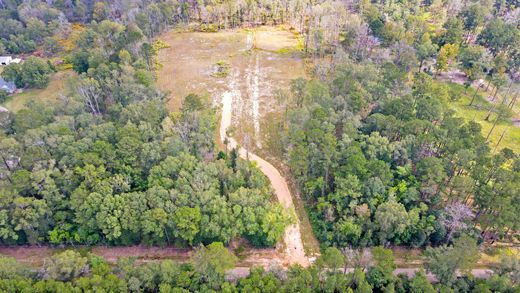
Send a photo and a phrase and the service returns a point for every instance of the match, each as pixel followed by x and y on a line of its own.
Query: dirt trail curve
pixel 294 252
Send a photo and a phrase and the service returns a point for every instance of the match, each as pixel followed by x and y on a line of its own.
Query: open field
pixel 259 62
pixel 49 94
pixel 277 40
pixel 188 65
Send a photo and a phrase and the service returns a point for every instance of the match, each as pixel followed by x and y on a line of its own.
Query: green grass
pixel 478 112
pixel 49 94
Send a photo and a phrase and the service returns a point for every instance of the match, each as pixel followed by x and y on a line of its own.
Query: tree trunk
pixel 492 128
pixel 500 140
pixel 487 87
pixel 495 94
pixel 513 101
pixel 493 108
pixel 474 96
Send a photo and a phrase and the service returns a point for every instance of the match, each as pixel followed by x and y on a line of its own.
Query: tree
pixel 499 37
pixel 187 221
pixel 332 258
pixel 509 266
pixel 425 49
pixel 273 224
pixel 456 217
pixel 28 215
pixel 381 275
pixel 447 53
pixel 404 56
pixel 212 261
pixel 420 284
pixel 391 219
pixel 11 269
pixel 474 16
pixel 473 62
pixel 453 31
pixel 65 266
pixel 444 261
pixel 13 73
pixel 34 73
pixel 99 12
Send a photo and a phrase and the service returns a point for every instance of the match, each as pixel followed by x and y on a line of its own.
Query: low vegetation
pixel 33 73
pixel 221 69
pixel 209 271
pixel 384 150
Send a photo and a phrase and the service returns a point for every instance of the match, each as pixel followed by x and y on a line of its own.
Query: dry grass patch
pixel 276 40
pixel 49 94
pixel 188 63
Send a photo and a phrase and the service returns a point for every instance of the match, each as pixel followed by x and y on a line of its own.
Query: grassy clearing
pixel 277 39
pixel 478 112
pixel 187 64
pixel 49 94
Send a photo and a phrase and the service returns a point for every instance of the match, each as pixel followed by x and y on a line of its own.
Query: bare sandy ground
pixel 294 252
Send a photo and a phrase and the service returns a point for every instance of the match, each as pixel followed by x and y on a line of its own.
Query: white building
pixel 6 60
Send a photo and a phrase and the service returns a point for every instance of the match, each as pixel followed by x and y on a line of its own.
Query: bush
pixel 33 73
pixel 3 96
pixel 221 69
pixel 208 28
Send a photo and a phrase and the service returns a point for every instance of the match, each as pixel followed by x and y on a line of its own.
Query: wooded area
pixel 379 152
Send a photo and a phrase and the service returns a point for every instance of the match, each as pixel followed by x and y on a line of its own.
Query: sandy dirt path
pixel 294 252
pixel 243 272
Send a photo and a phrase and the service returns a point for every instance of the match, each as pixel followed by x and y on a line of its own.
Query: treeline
pixel 107 164
pixel 86 33
pixel 31 25
pixel 26 26
pixel 375 148
pixel 211 270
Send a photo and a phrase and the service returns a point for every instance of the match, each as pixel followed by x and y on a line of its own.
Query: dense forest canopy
pixel 71 271
pixel 377 150
pixel 109 164
pixel 380 154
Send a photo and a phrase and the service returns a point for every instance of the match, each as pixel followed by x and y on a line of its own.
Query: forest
pixel 380 155
pixel 403 133
pixel 71 271
pixel 110 165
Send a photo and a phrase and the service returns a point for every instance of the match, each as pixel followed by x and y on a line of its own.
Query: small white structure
pixel 16 60
pixel 6 60
pixel 7 86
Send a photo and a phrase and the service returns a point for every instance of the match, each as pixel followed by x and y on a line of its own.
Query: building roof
pixel 7 86
pixel 5 59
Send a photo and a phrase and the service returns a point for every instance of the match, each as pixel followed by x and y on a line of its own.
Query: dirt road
pixel 242 272
pixel 294 252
